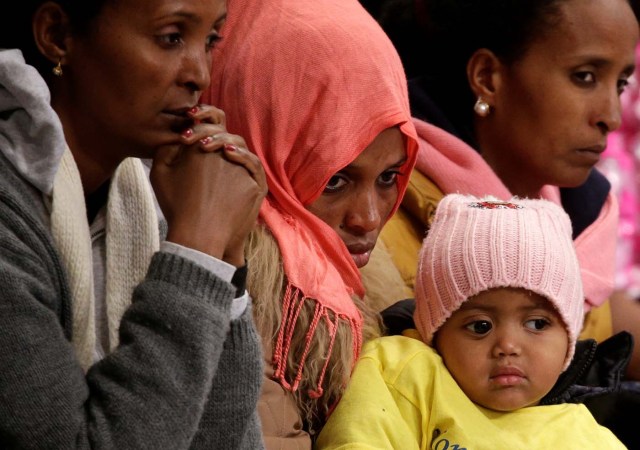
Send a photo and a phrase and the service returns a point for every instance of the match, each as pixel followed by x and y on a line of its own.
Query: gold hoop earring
pixel 57 70
pixel 481 107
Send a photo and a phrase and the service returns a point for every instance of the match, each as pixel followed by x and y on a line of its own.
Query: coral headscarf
pixel 309 84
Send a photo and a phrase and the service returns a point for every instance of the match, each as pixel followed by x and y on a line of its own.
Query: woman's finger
pixel 208 114
pixel 216 141
pixel 242 156
pixel 202 132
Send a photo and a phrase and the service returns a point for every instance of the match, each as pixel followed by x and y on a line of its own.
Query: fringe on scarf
pixel 292 305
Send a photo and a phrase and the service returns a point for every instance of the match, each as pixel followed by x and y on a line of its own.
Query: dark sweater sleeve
pixel 149 393
pixel 230 419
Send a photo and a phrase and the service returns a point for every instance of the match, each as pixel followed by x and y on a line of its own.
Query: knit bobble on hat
pixel 479 244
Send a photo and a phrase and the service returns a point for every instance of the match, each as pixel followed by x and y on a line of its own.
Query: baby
pixel 499 305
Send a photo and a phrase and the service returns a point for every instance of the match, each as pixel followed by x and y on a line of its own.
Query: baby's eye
pixel 537 324
pixel 479 326
pixel 335 183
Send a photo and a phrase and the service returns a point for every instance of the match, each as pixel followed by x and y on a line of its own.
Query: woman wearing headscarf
pixel 319 93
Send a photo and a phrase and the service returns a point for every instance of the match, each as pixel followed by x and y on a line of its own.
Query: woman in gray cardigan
pixel 124 322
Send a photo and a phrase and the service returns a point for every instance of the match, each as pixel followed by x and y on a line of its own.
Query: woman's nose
pixel 196 70
pixel 364 215
pixel 608 117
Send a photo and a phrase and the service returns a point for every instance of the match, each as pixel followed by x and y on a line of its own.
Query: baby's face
pixel 505 348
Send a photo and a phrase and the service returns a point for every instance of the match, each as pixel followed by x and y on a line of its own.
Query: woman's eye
pixel 388 178
pixel 479 326
pixel 537 324
pixel 171 39
pixel 335 183
pixel 213 40
pixel 622 84
pixel 585 77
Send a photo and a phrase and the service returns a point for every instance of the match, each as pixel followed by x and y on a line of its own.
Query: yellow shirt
pixel 401 396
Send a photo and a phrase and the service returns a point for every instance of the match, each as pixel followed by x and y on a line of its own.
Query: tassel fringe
pixel 292 305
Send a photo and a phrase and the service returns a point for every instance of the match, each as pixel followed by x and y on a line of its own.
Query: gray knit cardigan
pixel 184 375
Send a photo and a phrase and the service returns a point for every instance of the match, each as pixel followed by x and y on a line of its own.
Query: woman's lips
pixel 178 119
pixel 361 259
pixel 360 253
pixel 592 154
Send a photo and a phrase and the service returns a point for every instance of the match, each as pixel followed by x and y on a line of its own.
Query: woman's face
pixel 555 106
pixel 358 199
pixel 128 82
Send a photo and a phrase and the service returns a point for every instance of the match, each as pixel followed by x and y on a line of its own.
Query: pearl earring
pixel 481 107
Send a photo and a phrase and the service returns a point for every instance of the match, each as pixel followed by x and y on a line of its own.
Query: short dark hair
pixel 436 39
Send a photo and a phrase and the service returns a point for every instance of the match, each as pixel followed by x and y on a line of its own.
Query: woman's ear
pixel 51 31
pixel 484 75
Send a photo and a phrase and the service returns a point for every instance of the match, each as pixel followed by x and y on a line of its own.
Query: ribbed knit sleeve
pixel 171 341
pixel 230 419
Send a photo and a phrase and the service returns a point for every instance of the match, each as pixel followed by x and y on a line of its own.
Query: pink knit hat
pixel 479 244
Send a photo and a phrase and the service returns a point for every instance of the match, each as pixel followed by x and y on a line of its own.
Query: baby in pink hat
pixel 499 305
pixel 499 296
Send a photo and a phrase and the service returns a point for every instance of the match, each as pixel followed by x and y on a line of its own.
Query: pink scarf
pixel 309 84
pixel 455 167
